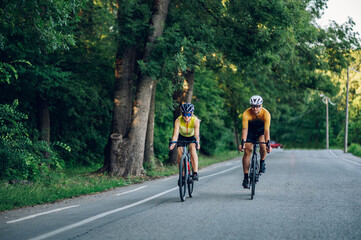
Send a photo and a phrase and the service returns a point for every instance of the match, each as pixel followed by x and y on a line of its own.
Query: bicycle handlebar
pixel 183 141
pixel 256 142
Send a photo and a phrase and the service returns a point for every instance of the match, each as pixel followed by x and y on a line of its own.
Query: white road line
pixel 214 174
pixel 345 159
pixel 130 191
pixel 39 214
pixel 166 179
pixel 88 220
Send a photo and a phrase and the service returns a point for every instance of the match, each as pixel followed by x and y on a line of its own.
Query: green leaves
pixel 8 71
pixel 22 157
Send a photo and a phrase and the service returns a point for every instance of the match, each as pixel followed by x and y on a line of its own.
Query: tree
pixel 235 94
pixel 33 32
pixel 129 155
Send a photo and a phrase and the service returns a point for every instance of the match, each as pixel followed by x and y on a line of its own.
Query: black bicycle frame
pixel 185 168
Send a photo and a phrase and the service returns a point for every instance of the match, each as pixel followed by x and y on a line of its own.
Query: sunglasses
pixel 187 114
pixel 255 106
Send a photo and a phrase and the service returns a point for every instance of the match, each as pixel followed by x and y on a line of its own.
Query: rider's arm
pixel 245 119
pixel 175 133
pixel 267 136
pixel 243 139
pixel 196 131
pixel 267 139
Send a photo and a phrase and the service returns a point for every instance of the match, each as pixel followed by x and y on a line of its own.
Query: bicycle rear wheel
pixel 182 178
pixel 253 177
pixel 190 181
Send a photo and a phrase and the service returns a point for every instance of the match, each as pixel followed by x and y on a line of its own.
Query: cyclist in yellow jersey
pixel 256 123
pixel 186 127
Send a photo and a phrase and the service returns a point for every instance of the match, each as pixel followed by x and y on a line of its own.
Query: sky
pixel 340 10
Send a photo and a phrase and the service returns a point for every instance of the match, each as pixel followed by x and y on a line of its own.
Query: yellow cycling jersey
pixel 187 129
pixel 263 116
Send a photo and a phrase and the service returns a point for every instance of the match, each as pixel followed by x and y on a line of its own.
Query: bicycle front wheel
pixel 182 178
pixel 190 181
pixel 253 177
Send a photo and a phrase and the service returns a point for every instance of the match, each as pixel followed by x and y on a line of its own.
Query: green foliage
pixel 23 157
pixel 209 105
pixel 133 19
pixel 77 84
pixel 340 41
pixel 6 71
pixel 354 131
pixel 355 149
pixel 82 103
pixel 235 93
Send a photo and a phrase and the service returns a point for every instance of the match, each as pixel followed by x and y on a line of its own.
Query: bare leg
pixel 194 156
pixel 263 149
pixel 180 154
pixel 247 156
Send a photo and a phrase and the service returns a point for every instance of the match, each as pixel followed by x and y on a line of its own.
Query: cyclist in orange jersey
pixel 256 122
pixel 186 127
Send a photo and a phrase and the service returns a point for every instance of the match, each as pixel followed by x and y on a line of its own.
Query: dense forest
pixel 100 82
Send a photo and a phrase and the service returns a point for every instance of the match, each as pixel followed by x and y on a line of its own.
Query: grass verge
pixel 355 149
pixel 82 181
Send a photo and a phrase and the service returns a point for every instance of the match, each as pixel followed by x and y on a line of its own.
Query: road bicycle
pixel 254 167
pixel 185 170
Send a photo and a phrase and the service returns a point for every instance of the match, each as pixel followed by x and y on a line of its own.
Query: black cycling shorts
pixel 255 130
pixel 183 138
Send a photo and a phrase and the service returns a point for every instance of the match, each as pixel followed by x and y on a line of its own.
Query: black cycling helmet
pixel 187 107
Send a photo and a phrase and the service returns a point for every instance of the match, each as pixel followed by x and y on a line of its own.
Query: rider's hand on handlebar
pixel 241 147
pixel 268 147
pixel 171 146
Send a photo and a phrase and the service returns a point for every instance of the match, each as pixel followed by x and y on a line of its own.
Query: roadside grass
pixel 81 181
pixel 355 149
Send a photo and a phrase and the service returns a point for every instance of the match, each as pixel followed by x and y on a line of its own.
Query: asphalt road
pixel 304 194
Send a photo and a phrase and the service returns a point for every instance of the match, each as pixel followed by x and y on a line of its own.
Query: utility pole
pixel 346 124
pixel 326 100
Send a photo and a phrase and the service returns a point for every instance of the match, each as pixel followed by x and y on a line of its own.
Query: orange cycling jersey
pixel 250 117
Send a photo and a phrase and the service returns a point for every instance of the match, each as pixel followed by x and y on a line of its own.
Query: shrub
pixel 20 156
pixel 355 149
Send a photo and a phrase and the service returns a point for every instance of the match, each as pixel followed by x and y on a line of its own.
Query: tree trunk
pixel 136 141
pixel 43 118
pixel 188 86
pixel 114 166
pixel 122 106
pixel 177 97
pixel 149 142
pixel 181 96
pixel 132 146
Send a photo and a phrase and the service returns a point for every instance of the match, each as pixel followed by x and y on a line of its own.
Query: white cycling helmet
pixel 256 100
